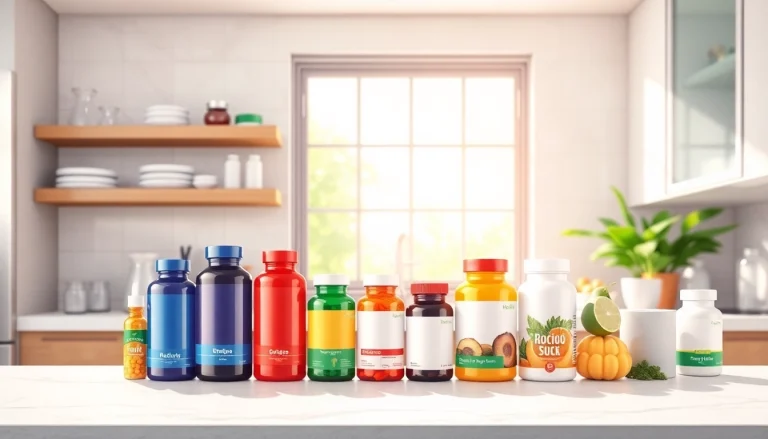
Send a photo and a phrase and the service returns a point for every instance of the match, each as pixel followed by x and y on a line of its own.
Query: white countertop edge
pixel 57 321
pixel 744 323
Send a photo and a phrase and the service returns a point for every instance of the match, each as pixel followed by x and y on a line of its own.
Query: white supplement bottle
pixel 699 334
pixel 547 328
pixel 232 172
pixel 253 172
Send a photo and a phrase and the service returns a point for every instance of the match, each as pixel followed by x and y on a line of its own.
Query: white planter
pixel 638 293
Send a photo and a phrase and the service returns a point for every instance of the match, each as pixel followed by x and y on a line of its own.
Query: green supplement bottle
pixel 331 330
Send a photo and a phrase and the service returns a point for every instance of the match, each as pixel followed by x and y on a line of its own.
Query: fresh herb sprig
pixel 643 371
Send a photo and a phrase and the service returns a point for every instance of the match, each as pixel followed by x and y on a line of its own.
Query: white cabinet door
pixel 647 102
pixel 755 88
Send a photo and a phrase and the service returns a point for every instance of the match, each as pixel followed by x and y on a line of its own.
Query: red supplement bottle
pixel 380 330
pixel 279 319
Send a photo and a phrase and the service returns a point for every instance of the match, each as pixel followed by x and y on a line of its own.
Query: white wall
pixel 36 65
pixel 6 34
pixel 579 77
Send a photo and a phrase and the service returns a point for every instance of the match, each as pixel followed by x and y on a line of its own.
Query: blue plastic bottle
pixel 171 323
pixel 223 330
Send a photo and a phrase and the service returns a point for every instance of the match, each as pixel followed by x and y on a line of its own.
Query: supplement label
pixel 485 333
pixel 169 358
pixel 380 339
pixel 700 358
pixel 170 338
pixel 138 336
pixel 547 338
pixel 278 355
pixel 331 339
pixel 429 343
pixel 223 355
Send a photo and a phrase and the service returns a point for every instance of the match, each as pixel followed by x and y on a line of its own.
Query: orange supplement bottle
pixel 380 330
pixel 135 340
pixel 486 323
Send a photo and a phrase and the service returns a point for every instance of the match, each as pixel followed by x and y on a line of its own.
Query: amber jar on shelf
pixel 217 113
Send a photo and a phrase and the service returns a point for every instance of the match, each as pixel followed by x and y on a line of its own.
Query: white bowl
pixel 166 120
pixel 85 185
pixel 85 179
pixel 166 108
pixel 166 176
pixel 95 172
pixel 177 114
pixel 204 185
pixel 164 183
pixel 638 293
pixel 164 167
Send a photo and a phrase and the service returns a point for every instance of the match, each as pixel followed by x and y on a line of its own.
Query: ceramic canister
pixel 650 335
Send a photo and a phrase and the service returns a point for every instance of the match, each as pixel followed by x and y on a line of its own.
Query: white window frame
pixel 431 66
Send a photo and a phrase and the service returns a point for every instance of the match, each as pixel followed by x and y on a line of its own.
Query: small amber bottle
pixel 135 340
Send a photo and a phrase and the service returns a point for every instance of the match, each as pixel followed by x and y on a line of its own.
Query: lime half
pixel 601 317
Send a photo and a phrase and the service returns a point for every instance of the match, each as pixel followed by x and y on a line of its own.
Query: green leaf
pixel 694 218
pixel 607 222
pixel 646 249
pixel 582 232
pixel 534 327
pixel 624 236
pixel 646 224
pixel 711 233
pixel 660 228
pixel 522 354
pixel 661 216
pixel 623 206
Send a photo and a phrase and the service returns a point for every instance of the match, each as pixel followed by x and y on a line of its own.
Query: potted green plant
pixel 645 249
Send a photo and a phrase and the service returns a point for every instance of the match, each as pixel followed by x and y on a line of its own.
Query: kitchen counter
pixel 58 321
pixel 745 322
pixel 84 398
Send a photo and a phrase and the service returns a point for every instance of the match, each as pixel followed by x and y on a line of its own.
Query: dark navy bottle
pixel 171 323
pixel 223 331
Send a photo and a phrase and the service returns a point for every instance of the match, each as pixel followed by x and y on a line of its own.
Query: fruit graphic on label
pixel 504 346
pixel 551 341
pixel 469 346
pixel 487 350
pixel 603 358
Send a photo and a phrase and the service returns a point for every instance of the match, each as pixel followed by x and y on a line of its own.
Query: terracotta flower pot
pixel 670 284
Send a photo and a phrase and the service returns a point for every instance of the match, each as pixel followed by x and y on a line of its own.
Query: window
pixel 408 168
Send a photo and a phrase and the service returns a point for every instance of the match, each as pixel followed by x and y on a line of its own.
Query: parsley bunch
pixel 646 372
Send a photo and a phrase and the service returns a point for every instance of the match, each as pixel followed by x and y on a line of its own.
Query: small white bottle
pixel 232 172
pixel 699 343
pixel 253 172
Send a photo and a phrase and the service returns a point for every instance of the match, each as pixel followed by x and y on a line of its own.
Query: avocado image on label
pixel 469 346
pixel 504 345
pixel 487 350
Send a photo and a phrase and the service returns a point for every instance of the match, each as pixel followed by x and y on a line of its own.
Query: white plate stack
pixel 166 176
pixel 93 178
pixel 166 115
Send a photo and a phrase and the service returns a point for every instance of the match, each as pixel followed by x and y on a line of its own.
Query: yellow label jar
pixel 486 323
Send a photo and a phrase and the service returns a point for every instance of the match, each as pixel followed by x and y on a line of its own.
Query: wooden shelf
pixel 143 136
pixel 158 197
pixel 717 75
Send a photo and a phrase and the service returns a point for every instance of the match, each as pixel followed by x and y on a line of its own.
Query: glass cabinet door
pixel 705 126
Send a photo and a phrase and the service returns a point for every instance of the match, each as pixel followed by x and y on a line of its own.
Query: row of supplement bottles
pixel 227 327
pixel 380 350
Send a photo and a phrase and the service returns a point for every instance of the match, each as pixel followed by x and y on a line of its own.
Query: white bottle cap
pixel 546 266
pixel 381 280
pixel 255 157
pixel 700 295
pixel 233 157
pixel 330 279
pixel 136 301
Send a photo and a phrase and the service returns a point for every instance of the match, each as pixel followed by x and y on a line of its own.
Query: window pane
pixel 385 178
pixel 379 233
pixel 490 182
pixel 437 178
pixel 385 111
pixel 332 243
pixel 437 246
pixel 490 111
pixel 332 177
pixel 490 235
pixel 437 111
pixel 332 111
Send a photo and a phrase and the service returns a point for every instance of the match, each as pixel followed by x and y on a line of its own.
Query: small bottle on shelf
pixel 232 172
pixel 135 340
pixel 253 172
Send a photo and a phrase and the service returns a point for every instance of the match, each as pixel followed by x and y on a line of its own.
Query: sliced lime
pixel 601 317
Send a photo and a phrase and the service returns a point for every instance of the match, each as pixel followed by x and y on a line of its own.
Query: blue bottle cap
pixel 223 251
pixel 172 265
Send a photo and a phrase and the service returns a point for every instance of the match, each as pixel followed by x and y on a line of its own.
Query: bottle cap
pixel 248 118
pixel 255 157
pixel 531 266
pixel 700 295
pixel 487 265
pixel 223 251
pixel 172 265
pixel 217 105
pixel 136 301
pixel 429 288
pixel 288 256
pixel 330 279
pixel 381 280
pixel 234 157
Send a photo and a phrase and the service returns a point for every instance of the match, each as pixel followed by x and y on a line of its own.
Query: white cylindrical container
pixel 232 172
pixel 547 316
pixel 650 335
pixel 253 172
pixel 699 334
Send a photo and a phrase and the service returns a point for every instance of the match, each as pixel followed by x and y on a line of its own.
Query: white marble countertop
pixel 58 321
pixel 745 323
pixel 98 395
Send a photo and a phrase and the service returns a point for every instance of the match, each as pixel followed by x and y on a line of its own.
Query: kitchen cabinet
pixel 745 348
pixel 755 88
pixel 70 348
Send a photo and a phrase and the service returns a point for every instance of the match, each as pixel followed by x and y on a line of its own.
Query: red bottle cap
pixel 487 265
pixel 289 256
pixel 429 288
